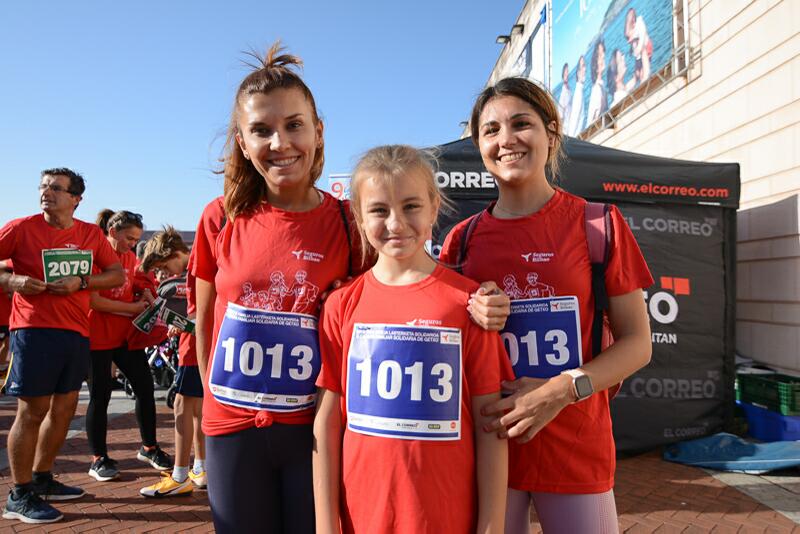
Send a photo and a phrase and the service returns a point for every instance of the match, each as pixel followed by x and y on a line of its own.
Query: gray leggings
pixel 593 513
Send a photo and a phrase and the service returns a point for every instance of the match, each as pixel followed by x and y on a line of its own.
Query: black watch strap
pixel 84 281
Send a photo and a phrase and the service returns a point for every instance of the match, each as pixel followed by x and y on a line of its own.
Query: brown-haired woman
pixel 110 320
pixel 534 238
pixel 260 374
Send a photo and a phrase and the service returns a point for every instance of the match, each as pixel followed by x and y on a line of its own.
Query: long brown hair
pixel 244 187
pixel 539 99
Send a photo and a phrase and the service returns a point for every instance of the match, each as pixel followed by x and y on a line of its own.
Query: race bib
pixel 404 382
pixel 543 336
pixel 63 262
pixel 265 360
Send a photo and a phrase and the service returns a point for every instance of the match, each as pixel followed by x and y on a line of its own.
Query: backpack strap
pixel 462 247
pixel 346 223
pixel 598 237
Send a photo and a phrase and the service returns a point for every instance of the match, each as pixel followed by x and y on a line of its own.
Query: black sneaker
pixel 104 469
pixel 155 457
pixel 30 508
pixel 51 489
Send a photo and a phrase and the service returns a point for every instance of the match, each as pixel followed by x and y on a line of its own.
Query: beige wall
pixel 740 102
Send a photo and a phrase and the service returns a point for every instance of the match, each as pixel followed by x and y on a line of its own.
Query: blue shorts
pixel 188 381
pixel 45 361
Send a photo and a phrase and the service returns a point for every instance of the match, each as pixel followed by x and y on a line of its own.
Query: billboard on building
pixel 532 60
pixel 602 50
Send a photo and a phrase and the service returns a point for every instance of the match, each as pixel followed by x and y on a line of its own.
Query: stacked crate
pixel 771 403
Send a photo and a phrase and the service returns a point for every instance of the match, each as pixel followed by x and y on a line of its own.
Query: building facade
pixel 728 92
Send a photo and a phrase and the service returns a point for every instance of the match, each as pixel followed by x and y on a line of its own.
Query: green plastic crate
pixel 776 392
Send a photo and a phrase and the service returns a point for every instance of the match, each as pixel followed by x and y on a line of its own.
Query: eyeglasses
pixel 55 188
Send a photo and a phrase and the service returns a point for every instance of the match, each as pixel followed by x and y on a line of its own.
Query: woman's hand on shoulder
pixel 489 307
pixel 533 403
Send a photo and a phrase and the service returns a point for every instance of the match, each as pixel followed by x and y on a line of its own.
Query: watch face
pixel 583 386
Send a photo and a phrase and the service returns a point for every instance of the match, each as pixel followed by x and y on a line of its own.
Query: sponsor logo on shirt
pixel 308 255
pixel 71 245
pixel 424 322
pixel 537 257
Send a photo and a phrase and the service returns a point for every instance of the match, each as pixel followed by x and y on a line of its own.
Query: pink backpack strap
pixel 598 220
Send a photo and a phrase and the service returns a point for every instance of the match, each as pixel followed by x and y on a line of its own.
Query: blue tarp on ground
pixel 727 452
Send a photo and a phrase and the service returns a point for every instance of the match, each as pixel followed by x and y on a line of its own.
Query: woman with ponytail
pixel 283 243
pixel 109 323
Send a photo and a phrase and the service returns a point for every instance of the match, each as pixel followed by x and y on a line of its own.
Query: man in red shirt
pixel 53 254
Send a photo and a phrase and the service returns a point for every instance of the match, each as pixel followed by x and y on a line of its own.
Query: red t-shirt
pixel 277 260
pixel 138 340
pixel 187 348
pixel 23 240
pixel 110 330
pixel 204 248
pixel 574 453
pixel 205 238
pixel 410 485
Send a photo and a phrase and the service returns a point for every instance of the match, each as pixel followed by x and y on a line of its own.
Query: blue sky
pixel 136 95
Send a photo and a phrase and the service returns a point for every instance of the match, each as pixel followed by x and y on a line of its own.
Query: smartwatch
pixel 84 281
pixel 581 384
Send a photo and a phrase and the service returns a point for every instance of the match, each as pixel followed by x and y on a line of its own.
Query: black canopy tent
pixel 683 214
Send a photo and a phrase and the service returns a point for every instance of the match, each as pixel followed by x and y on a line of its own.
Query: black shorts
pixel 45 361
pixel 188 381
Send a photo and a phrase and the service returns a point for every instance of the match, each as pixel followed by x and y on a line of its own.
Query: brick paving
pixel 652 495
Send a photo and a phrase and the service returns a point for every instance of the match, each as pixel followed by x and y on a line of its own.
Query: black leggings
pixel 133 363
pixel 259 480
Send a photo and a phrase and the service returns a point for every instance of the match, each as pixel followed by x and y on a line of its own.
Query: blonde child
pixel 405 374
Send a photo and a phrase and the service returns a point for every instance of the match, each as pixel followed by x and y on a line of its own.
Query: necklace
pixel 509 212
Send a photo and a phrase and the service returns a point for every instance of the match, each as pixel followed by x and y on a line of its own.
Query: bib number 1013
pixel 390 378
pixel 250 359
pixel 558 338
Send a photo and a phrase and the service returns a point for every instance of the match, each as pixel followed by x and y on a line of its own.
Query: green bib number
pixel 63 262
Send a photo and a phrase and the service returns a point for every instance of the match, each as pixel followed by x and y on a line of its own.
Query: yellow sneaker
pixel 167 487
pixel 200 480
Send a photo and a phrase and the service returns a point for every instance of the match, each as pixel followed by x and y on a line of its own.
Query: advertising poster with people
pixel 602 50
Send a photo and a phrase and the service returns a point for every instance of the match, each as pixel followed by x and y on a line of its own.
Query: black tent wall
pixel 683 215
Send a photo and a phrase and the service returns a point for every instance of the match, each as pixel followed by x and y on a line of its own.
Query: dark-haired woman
pixel 561 455
pixel 110 321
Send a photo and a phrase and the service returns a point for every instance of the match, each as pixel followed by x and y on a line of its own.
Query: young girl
pixel 167 252
pixel 110 320
pixel 562 455
pixel 405 374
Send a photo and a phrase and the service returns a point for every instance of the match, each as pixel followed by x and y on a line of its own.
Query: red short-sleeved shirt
pixel 410 485
pixel 574 453
pixel 278 260
pixel 23 240
pixel 204 248
pixel 110 330
pixel 187 348
pixel 138 340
